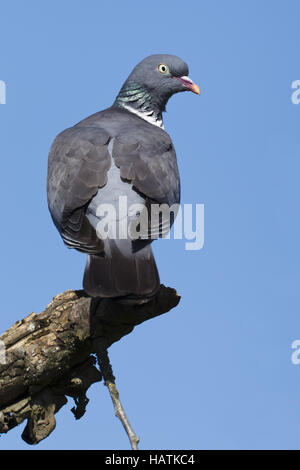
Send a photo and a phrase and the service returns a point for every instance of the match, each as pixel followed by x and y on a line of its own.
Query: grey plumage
pixel 113 153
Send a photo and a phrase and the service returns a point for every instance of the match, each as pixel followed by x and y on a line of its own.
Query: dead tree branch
pixel 49 356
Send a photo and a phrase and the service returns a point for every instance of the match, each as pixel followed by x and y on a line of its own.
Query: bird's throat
pixel 138 100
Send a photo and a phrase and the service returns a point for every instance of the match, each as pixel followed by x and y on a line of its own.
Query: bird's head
pixel 161 76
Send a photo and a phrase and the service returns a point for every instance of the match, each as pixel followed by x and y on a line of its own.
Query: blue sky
pixel 216 372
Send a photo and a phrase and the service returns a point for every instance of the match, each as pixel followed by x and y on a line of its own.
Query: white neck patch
pixel 145 116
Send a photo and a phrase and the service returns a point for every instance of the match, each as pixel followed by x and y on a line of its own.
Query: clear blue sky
pixel 216 372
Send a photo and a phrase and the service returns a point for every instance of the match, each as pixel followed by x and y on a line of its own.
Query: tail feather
pixel 122 272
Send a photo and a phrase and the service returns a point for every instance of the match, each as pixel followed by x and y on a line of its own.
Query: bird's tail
pixel 121 272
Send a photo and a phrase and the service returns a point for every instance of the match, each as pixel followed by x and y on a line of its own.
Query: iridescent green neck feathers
pixel 138 100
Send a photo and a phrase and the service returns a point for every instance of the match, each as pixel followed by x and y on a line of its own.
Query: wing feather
pixel 78 164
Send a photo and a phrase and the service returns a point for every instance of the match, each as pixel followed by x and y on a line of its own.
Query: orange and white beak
pixel 189 84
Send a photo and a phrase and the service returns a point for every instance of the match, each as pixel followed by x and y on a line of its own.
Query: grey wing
pixel 152 169
pixel 78 164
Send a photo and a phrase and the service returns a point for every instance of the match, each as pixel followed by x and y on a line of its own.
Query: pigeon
pixel 122 153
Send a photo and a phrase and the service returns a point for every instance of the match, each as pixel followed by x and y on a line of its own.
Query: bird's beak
pixel 189 84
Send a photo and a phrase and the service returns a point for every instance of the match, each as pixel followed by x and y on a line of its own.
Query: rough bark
pixel 49 356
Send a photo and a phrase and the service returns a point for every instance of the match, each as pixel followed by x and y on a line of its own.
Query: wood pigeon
pixel 121 152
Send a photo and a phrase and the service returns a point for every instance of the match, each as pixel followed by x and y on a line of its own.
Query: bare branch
pixel 50 356
pixel 120 413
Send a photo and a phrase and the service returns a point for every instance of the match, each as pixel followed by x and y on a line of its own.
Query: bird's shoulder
pixel 121 123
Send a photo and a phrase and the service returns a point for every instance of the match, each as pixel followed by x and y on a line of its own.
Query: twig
pixel 120 413
pixel 100 348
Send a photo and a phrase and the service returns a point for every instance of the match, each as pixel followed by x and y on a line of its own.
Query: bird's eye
pixel 163 68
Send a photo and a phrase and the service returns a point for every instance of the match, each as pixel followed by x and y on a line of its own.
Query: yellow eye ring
pixel 163 68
